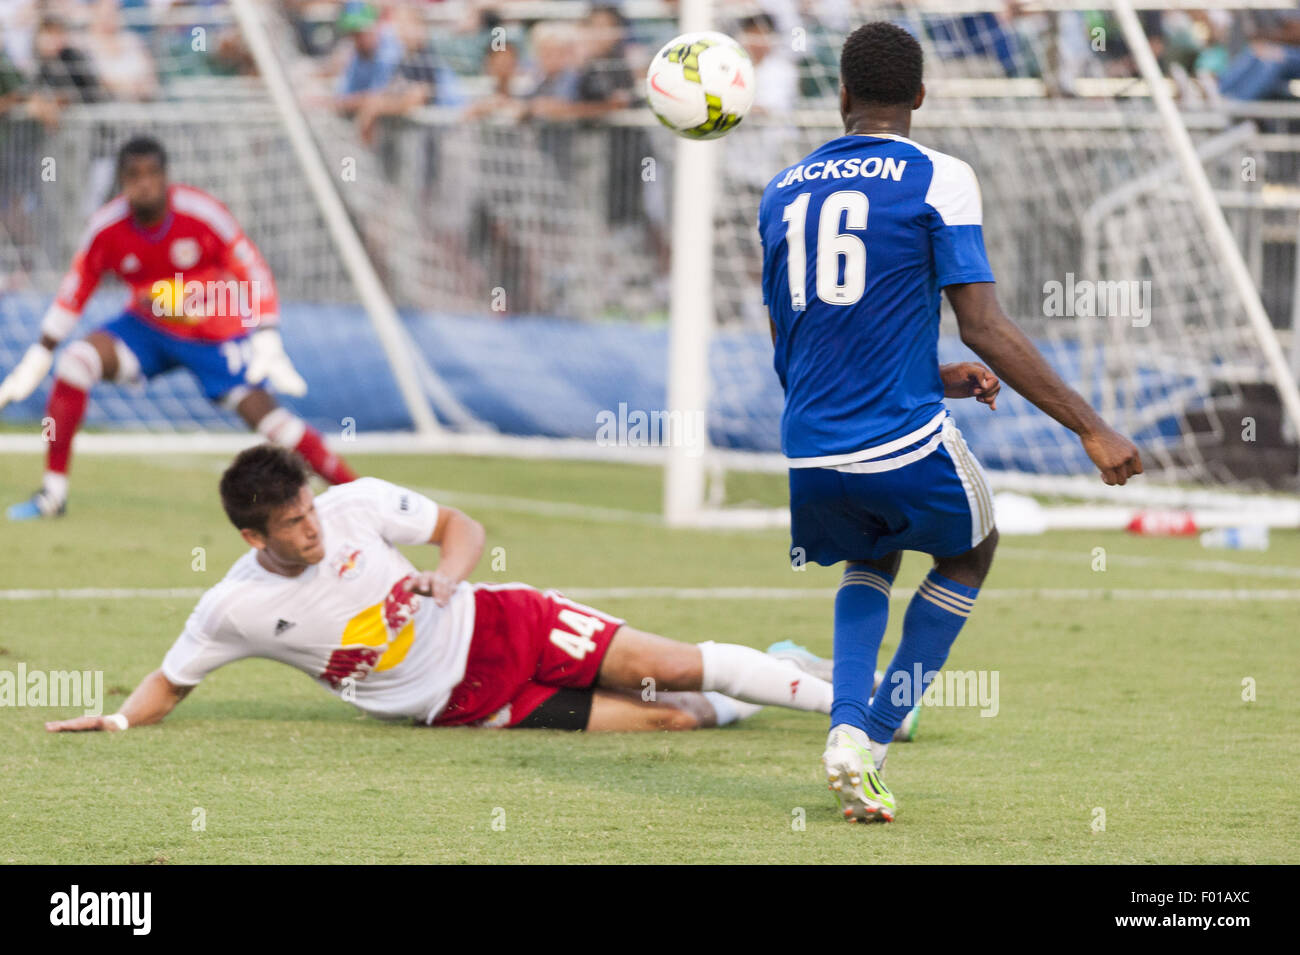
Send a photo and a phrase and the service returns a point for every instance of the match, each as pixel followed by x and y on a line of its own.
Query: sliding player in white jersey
pixel 325 590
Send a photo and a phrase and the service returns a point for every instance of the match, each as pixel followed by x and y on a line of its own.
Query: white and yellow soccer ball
pixel 701 85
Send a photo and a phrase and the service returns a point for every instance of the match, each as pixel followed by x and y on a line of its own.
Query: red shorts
pixel 526 646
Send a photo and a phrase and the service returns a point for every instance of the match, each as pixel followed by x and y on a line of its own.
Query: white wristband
pixel 59 322
pixel 118 720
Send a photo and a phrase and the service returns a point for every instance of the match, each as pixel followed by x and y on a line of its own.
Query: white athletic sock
pixel 728 710
pixel 878 753
pixel 878 750
pixel 55 486
pixel 751 675
pixel 281 426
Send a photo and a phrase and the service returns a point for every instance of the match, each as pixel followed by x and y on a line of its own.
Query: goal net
pixel 506 274
pixel 197 95
pixel 1103 256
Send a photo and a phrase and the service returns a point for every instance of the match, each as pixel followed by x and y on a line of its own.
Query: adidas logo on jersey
pixel 282 625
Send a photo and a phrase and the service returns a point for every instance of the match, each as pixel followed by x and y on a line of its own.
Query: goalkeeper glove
pixel 269 362
pixel 27 374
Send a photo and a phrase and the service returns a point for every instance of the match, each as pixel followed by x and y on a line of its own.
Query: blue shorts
pixel 219 366
pixel 939 504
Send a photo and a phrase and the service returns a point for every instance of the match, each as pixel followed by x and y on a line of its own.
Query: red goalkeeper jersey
pixel 194 275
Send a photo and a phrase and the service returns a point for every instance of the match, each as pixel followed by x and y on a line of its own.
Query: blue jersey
pixel 858 239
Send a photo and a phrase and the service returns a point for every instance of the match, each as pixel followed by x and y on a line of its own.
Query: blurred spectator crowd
pixel 499 59
pixel 548 68
pixel 489 58
pixel 59 53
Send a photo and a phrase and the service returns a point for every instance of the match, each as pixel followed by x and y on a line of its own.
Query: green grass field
pixel 1119 690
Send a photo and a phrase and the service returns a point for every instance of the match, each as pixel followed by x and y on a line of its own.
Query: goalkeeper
pixel 201 298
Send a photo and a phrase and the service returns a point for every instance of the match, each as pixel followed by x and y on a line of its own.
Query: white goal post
pixel 691 316
pixel 1207 207
pixel 396 344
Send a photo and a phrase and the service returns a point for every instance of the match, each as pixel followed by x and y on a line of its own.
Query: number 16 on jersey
pixel 841 257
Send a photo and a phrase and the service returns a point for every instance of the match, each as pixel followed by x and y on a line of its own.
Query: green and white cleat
pixel 851 774
pixel 906 731
pixel 803 658
pixel 810 663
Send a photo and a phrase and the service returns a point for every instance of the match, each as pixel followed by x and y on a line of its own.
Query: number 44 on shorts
pixel 576 641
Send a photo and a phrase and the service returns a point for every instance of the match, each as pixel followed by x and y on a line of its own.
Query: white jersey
pixel 329 622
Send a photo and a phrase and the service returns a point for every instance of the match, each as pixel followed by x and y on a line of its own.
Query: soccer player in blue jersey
pixel 859 237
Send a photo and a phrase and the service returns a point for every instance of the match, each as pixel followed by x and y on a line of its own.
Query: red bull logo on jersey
pixel 347 564
pixel 368 645
pixel 873 167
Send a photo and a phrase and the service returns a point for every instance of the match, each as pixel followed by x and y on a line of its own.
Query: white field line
pixel 500 502
pixel 103 593
pixel 612 515
pixel 542 508
pixel 723 593
pixel 1119 561
pixel 1279 510
pixel 1010 593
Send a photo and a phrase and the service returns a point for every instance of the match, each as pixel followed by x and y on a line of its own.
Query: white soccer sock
pixel 878 753
pixel 281 426
pixel 55 486
pixel 728 710
pixel 751 675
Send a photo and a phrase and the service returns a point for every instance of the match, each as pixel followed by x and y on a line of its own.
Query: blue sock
pixel 861 612
pixel 933 620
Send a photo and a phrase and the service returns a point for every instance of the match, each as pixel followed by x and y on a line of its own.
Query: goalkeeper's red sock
pixel 323 461
pixel 66 408
pixel 281 426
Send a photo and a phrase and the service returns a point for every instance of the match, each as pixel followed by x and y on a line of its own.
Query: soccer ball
pixel 171 301
pixel 701 85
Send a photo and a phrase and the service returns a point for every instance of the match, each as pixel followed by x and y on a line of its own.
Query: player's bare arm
pixel 461 539
pixel 150 702
pixel 988 332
